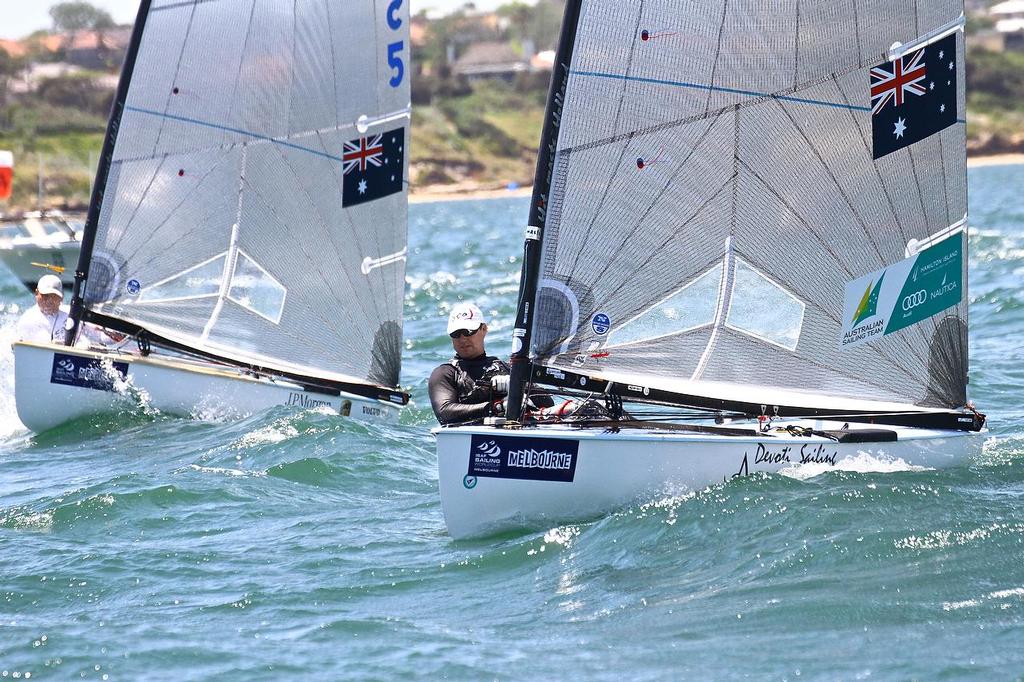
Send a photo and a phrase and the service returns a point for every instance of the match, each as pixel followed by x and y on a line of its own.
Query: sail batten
pixel 817 160
pixel 259 163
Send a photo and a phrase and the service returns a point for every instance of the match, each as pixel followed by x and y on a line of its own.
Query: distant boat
pixel 751 218
pixel 248 222
pixel 39 242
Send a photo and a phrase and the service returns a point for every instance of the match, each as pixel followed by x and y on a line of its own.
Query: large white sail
pixel 758 195
pixel 255 206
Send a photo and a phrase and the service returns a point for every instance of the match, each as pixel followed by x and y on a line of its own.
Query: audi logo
pixel 913 300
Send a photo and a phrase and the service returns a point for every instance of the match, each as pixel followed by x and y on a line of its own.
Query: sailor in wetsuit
pixel 473 384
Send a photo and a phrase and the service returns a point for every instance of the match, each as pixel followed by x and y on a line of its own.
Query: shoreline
pixel 471 191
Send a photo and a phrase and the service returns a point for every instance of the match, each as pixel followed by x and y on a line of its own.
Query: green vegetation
pixel 488 136
pixel 995 101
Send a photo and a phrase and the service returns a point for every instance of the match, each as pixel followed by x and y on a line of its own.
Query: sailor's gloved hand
pixel 499 384
pixel 498 408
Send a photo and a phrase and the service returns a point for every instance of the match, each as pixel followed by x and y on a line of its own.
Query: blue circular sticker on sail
pixel 601 324
pixel 133 287
pixel 469 482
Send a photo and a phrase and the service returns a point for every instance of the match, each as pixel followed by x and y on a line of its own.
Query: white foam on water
pixel 277 432
pixel 10 425
pixel 224 471
pixel 862 462
pixel 998 595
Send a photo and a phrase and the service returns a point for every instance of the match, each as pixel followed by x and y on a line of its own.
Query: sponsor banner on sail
pixel 903 294
pixel 914 96
pixel 373 167
pixel 533 459
pixel 6 174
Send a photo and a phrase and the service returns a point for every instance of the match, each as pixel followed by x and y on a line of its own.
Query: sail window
pixel 199 281
pixel 763 309
pixel 255 289
pixel 688 308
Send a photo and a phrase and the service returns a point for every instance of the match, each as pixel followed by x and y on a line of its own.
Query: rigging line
pixel 796 47
pixel 177 71
pixel 585 237
pixel 832 176
pixel 609 262
pixel 856 30
pixel 735 91
pixel 718 53
pixel 241 62
pixel 240 131
pixel 655 252
pixel 184 3
pixel 291 82
pixel 334 61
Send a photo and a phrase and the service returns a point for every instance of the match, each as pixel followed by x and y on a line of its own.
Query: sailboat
pixel 748 224
pixel 35 243
pixel 247 228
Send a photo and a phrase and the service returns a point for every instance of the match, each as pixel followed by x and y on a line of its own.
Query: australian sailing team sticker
pixel 73 370
pixel 601 324
pixel 532 459
pixel 904 294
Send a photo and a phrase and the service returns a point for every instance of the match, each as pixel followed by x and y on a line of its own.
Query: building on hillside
pixel 34 75
pixel 499 60
pixel 97 49
pixel 1009 18
pixel 13 48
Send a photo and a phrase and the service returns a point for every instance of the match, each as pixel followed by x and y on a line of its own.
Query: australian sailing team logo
pixel 535 459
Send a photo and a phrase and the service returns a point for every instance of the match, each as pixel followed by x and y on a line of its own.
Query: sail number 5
pixel 395 48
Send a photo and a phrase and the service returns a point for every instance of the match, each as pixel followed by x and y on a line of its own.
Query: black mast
pixel 99 187
pixel 523 332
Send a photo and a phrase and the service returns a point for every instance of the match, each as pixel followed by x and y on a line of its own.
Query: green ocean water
pixel 293 544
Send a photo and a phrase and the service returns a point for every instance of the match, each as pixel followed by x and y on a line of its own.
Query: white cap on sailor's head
pixel 50 284
pixel 465 316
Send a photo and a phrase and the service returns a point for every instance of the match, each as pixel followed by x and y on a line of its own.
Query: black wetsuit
pixel 460 389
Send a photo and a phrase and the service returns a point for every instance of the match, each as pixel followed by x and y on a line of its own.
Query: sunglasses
pixel 460 333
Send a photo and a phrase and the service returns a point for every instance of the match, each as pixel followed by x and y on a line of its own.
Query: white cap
pixel 465 316
pixel 50 284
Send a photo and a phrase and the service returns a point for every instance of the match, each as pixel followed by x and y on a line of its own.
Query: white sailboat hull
pixel 55 384
pixel 19 257
pixel 591 472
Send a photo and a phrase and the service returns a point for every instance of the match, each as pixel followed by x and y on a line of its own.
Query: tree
pixel 78 16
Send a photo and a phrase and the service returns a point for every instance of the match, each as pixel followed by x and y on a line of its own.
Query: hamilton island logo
pixel 868 305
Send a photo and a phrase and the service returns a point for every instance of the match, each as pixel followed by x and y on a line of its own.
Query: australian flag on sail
pixel 373 167
pixel 914 96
